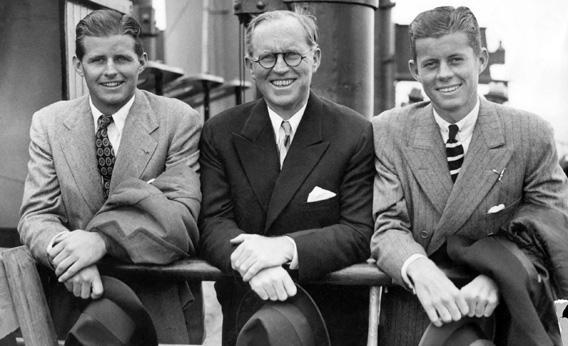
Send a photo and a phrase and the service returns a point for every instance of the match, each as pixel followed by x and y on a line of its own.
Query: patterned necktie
pixel 284 142
pixel 454 152
pixel 105 152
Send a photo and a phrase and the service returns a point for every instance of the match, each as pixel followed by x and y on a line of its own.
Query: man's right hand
pixel 75 251
pixel 440 298
pixel 86 283
pixel 273 283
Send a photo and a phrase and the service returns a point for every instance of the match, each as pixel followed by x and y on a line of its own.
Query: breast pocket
pixel 502 217
pixel 322 213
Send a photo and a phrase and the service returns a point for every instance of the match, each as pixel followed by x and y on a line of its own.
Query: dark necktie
pixel 454 152
pixel 105 152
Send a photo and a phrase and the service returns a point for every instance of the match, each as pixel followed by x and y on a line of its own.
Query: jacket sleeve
pixel 42 213
pixel 392 242
pixel 545 183
pixel 217 220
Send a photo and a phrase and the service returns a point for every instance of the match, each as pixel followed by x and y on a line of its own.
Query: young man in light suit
pixel 298 198
pixel 431 183
pixel 91 156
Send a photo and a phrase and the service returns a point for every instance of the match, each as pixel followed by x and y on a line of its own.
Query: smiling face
pixel 448 69
pixel 110 68
pixel 286 89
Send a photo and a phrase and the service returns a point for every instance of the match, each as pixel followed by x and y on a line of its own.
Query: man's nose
pixel 445 71
pixel 280 64
pixel 110 67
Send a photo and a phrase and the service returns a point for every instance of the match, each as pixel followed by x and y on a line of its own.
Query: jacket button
pixel 424 234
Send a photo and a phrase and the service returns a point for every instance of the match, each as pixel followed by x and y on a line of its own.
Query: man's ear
pixel 143 60
pixel 248 64
pixel 413 68
pixel 317 58
pixel 78 66
pixel 483 59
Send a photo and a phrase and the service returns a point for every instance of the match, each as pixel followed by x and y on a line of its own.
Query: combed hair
pixel 103 23
pixel 307 21
pixel 442 21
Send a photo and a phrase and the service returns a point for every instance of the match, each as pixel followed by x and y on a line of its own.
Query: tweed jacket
pixel 511 160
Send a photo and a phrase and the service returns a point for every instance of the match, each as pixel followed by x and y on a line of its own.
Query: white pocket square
pixel 496 208
pixel 319 194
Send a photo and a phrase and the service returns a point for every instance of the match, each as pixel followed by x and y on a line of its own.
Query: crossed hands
pixel 74 258
pixel 443 301
pixel 259 260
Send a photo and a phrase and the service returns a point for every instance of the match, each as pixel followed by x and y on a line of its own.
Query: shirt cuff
pixel 294 262
pixel 404 268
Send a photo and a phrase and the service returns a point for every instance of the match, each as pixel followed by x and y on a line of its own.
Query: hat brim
pixel 117 318
pixel 301 315
pixel 462 332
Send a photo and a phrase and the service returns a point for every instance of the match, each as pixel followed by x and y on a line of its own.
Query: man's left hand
pixel 255 253
pixel 481 295
pixel 273 283
pixel 86 283
pixel 77 250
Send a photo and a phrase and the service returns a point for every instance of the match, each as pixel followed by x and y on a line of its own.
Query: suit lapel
pixel 256 148
pixel 305 152
pixel 487 152
pixel 137 144
pixel 426 157
pixel 78 147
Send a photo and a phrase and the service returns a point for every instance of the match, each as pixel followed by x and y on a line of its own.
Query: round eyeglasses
pixel 268 61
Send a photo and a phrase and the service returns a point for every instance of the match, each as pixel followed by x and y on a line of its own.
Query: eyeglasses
pixel 268 61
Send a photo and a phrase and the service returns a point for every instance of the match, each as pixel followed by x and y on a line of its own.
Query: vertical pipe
pixel 205 38
pixel 385 63
pixel 346 39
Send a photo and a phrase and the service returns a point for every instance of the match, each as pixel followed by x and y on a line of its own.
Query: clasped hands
pixel 74 258
pixel 259 260
pixel 444 302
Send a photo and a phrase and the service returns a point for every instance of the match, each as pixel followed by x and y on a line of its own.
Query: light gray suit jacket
pixel 63 188
pixel 415 204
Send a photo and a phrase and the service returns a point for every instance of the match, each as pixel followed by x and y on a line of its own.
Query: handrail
pixel 360 274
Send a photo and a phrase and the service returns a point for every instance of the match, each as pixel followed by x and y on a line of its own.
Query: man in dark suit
pixel 88 153
pixel 456 164
pixel 286 184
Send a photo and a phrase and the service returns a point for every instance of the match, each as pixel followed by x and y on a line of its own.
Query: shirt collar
pixel 466 125
pixel 119 117
pixel 294 120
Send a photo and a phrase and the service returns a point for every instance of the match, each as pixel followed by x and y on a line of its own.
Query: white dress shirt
pixel 114 129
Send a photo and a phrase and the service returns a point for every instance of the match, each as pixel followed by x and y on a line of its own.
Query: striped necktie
pixel 454 152
pixel 285 134
pixel 105 152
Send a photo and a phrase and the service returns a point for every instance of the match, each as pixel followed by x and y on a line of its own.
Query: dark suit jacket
pixel 244 190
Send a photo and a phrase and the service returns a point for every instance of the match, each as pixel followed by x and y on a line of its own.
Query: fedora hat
pixel 468 331
pixel 117 318
pixel 294 322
